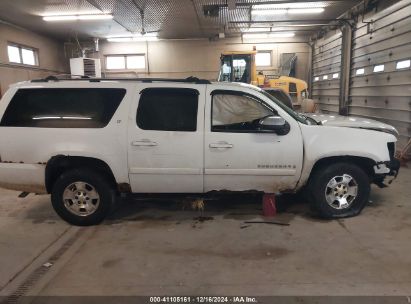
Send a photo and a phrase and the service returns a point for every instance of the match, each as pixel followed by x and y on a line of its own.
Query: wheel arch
pixel 61 163
pixel 364 163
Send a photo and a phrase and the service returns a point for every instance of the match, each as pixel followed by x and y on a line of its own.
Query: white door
pixel 165 139
pixel 239 155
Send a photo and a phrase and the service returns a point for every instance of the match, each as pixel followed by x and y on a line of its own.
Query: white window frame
pixel 125 62
pixel 265 52
pixel 21 47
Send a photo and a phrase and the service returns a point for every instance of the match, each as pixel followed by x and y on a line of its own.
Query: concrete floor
pixel 156 247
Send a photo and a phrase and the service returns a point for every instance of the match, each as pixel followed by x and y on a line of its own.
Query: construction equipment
pixel 240 66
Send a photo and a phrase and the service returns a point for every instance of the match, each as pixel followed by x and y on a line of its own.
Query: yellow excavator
pixel 240 66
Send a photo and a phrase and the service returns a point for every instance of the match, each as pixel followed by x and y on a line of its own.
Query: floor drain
pixel 39 272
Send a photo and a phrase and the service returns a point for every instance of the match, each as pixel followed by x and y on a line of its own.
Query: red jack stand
pixel 269 208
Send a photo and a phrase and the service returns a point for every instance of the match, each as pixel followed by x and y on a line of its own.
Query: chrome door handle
pixel 221 145
pixel 144 143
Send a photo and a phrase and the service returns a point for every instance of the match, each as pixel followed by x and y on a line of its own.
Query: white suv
pixel 85 141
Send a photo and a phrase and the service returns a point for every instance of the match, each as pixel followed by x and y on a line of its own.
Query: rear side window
pixel 62 108
pixel 168 109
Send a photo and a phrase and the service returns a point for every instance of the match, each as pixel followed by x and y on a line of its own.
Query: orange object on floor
pixel 269 208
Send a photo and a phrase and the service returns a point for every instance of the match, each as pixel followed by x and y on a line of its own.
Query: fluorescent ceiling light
pixel 335 75
pixel 59 18
pixel 255 29
pixel 282 35
pixel 78 17
pixel 59 117
pixel 403 64
pixel 288 8
pixel 325 77
pixel 134 38
pixel 316 78
pixel 268 35
pixel 151 34
pixel 287 11
pixel 303 25
pixel 290 5
pixel 269 12
pixel 306 10
pixel 255 36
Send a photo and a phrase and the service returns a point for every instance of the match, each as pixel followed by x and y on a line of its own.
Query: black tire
pixel 100 184
pixel 318 186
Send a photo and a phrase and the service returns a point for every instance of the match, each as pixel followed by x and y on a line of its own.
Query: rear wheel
pixel 82 197
pixel 339 190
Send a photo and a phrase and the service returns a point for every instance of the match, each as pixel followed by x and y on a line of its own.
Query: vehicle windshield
pixel 297 116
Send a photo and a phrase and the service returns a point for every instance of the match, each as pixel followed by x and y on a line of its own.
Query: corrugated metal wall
pixel 327 71
pixel 379 88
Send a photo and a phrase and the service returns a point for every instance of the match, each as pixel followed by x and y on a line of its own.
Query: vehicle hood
pixel 352 122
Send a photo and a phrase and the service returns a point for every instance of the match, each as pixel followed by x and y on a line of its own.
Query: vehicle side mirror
pixel 277 124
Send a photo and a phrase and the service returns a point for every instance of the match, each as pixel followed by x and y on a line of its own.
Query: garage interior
pixel 355 57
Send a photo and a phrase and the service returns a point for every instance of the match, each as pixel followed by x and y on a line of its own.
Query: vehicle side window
pixel 62 107
pixel 168 109
pixel 292 89
pixel 237 113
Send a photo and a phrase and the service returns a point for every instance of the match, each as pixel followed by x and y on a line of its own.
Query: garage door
pixel 327 71
pixel 380 75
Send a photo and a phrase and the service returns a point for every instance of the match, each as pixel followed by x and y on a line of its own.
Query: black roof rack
pixel 190 79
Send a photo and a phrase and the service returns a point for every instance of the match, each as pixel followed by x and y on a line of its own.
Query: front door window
pixel 237 113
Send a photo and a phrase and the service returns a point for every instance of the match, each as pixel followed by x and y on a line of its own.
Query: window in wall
pixel 359 72
pixel 263 58
pixel 404 64
pixel 136 62
pixel 14 54
pixel 168 109
pixel 236 113
pixel 125 62
pixel 379 68
pixel 62 108
pixel 22 54
pixel 115 63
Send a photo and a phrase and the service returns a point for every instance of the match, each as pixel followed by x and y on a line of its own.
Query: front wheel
pixel 82 197
pixel 339 190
